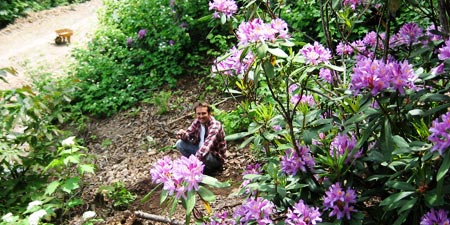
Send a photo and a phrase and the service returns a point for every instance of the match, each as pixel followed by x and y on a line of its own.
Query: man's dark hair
pixel 203 104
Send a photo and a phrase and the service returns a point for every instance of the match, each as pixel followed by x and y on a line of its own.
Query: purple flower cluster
pixel 258 31
pixel 352 3
pixel 342 144
pixel 220 218
pixel 292 162
pixel 226 7
pixel 129 42
pixel 277 127
pixel 251 169
pixel 142 33
pixel 431 33
pixel 373 40
pixel 444 52
pixel 306 99
pixel 435 217
pixel 316 53
pixel 340 201
pixel 408 34
pixel 377 76
pixel 233 65
pixel 326 75
pixel 296 99
pixel 440 133
pixel 302 214
pixel 255 210
pixel 178 176
pixel 344 49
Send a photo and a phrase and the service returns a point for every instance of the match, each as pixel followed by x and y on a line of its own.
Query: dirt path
pixel 28 44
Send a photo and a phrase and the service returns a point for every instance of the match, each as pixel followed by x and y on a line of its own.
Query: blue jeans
pixel 187 149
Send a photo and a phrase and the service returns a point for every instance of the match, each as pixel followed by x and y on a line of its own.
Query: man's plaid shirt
pixel 214 141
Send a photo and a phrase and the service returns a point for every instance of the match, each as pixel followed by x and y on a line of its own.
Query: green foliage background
pixel 119 69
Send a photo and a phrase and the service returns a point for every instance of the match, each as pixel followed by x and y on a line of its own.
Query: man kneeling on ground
pixel 205 138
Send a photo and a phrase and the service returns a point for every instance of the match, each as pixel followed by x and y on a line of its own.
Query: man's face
pixel 202 114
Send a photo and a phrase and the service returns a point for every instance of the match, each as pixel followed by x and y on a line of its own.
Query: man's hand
pixel 181 133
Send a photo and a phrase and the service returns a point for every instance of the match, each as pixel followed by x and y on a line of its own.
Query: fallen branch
pixel 157 218
pixel 179 118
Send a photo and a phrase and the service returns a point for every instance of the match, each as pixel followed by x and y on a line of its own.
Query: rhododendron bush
pixel 346 128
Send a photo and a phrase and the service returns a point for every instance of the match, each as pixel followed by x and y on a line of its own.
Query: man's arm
pixel 189 134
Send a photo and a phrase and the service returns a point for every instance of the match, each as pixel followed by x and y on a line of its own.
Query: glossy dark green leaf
pixel 277 52
pixel 396 197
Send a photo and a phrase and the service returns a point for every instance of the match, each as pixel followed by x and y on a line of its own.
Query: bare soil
pixel 126 145
pixel 28 44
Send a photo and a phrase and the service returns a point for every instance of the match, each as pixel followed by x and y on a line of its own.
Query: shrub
pixel 136 52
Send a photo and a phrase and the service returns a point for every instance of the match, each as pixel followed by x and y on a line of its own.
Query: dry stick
pixel 179 118
pixel 157 218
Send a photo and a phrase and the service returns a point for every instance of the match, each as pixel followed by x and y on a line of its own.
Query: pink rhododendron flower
pixel 258 31
pixel 435 217
pixel 302 214
pixel 444 52
pixel 178 176
pixel 377 76
pixel 342 144
pixel 316 53
pixel 233 65
pixel 255 210
pixel 340 201
pixel 292 162
pixel 440 133
pixel 226 7
pixel 343 49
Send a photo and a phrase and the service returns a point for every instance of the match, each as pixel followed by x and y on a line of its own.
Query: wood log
pixel 157 218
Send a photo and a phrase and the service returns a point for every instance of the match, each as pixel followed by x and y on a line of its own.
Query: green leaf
pixel 205 18
pixel 246 142
pixel 432 97
pixel 190 201
pixel 401 219
pixel 440 175
pixel 213 182
pixel 206 194
pixel 400 142
pixel 51 188
pixel 75 159
pixel 386 141
pixel 147 196
pixel 75 202
pixel 85 168
pixel 164 195
pixel 261 50
pixel 307 137
pixel 223 18
pixel 395 197
pixel 336 68
pixel 70 184
pixel 416 112
pixel 252 176
pixel 281 191
pixel 408 205
pixel 444 167
pixel 237 136
pixel 277 52
pixel 268 68
pixel 404 186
